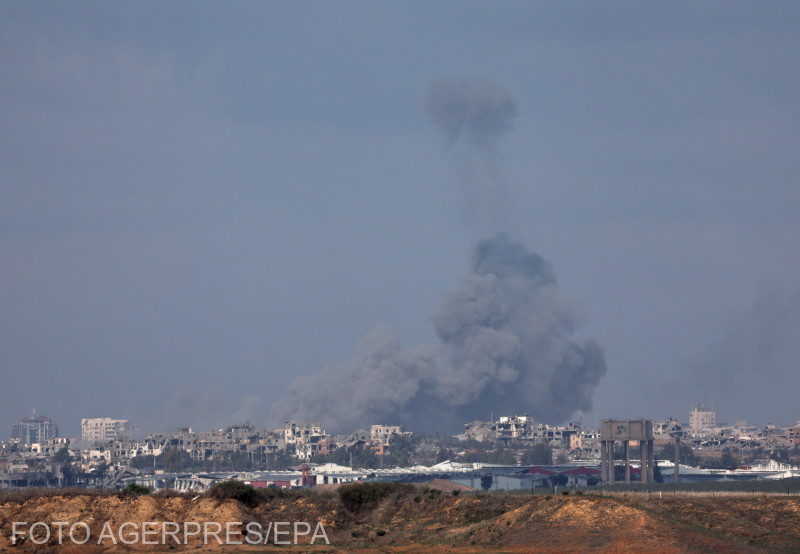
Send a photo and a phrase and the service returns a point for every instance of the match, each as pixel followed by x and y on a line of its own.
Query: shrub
pixel 135 490
pixel 236 490
pixel 171 493
pixel 270 493
pixel 357 496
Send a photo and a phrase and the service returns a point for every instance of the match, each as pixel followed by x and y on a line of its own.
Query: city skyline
pixel 201 204
pixel 698 416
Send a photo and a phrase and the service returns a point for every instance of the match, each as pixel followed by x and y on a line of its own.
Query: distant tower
pixel 34 429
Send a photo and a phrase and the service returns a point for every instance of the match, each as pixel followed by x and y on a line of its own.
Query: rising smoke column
pixel 472 115
pixel 504 333
pixel 504 345
pixel 505 339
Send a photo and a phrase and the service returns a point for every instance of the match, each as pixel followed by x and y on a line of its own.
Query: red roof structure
pixel 582 470
pixel 540 470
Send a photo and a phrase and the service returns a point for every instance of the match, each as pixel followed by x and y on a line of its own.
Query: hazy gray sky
pixel 202 201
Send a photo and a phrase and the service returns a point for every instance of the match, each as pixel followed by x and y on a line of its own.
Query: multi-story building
pixel 33 429
pixel 308 438
pixel 702 420
pixel 103 429
pixel 510 428
pixel 522 428
pixel 301 433
pixel 381 437
pixel 794 434
pixel 384 434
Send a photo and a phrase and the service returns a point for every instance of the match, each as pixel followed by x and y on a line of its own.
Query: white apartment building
pixel 103 429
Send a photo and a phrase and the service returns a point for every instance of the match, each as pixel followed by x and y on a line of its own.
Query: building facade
pixel 33 429
pixel 702 420
pixel 103 429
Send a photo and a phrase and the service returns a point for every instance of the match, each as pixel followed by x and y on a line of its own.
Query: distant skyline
pixel 134 431
pixel 200 203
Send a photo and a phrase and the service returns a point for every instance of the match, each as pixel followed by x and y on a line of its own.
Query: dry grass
pixel 413 520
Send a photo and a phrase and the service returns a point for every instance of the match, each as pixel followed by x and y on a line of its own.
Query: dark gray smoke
pixel 377 384
pixel 471 110
pixel 504 333
pixel 504 345
pixel 473 114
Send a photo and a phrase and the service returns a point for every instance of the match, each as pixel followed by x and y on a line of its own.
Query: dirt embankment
pixel 406 521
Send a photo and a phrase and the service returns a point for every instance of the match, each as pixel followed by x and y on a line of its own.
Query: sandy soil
pixel 426 521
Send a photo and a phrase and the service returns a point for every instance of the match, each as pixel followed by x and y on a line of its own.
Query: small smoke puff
pixel 472 109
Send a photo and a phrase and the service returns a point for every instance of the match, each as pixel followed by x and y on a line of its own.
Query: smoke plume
pixel 472 115
pixel 377 384
pixel 504 333
pixel 504 344
pixel 469 110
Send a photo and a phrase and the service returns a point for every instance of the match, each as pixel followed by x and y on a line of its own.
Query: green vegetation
pixel 135 490
pixel 62 456
pixel 236 490
pixel 176 460
pixel 538 455
pixel 363 496
pixel 362 456
pixel 502 456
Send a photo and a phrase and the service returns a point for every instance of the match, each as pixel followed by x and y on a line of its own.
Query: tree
pixel 284 459
pixel 174 460
pixel 781 455
pixel 142 462
pixel 400 451
pixel 539 455
pixel 657 473
pixel 62 457
pixel 101 469
pixel 445 454
pixel 237 490
pixel 729 460
pixel 240 461
pixel 135 490
pixel 504 456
